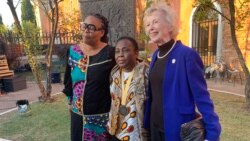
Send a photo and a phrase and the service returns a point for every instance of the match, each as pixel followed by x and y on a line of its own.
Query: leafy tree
pixel 69 23
pixel 27 11
pixel 236 18
pixel 1 20
pixel 3 28
pixel 27 35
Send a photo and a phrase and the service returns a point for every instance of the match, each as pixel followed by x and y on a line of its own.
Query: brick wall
pixel 242 34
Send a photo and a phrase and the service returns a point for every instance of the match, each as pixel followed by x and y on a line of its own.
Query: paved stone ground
pixel 8 101
pixel 3 140
pixel 227 87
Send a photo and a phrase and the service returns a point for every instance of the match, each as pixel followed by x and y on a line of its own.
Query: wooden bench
pixel 4 68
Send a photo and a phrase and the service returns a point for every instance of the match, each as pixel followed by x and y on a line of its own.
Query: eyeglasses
pixel 89 27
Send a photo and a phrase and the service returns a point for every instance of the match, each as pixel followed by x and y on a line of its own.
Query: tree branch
pixel 234 39
pixel 45 9
pixel 224 16
pixel 17 4
pixel 14 14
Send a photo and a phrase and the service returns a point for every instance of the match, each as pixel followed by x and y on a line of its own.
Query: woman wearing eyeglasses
pixel 87 81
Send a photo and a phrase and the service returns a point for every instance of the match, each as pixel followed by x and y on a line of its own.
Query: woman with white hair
pixel 176 82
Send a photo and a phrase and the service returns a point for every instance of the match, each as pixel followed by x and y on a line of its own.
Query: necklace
pixel 160 57
pixel 125 87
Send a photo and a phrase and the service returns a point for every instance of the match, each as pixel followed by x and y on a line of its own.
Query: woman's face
pixel 125 54
pixel 157 28
pixel 92 31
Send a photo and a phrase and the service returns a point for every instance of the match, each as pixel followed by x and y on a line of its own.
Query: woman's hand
pixel 70 108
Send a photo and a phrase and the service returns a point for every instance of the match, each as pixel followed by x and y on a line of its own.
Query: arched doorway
pixel 206 35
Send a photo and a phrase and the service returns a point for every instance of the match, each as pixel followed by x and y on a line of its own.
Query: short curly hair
pixel 132 40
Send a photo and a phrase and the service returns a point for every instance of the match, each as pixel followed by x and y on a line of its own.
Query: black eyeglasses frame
pixel 89 27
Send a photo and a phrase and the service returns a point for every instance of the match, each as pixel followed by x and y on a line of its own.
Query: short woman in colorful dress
pixel 129 79
pixel 87 81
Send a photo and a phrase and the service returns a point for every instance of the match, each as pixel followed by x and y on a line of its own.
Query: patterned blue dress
pixel 87 88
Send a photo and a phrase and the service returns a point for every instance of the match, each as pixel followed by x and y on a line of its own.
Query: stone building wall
pixel 120 13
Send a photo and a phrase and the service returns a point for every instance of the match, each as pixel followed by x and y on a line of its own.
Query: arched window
pixel 205 37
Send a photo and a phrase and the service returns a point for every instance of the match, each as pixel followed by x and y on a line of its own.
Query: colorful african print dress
pixel 90 96
pixel 128 127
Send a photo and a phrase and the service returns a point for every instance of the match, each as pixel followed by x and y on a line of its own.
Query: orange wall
pixel 68 6
pixel 185 13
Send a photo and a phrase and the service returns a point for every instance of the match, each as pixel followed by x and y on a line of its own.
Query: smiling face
pixel 125 54
pixel 90 36
pixel 157 28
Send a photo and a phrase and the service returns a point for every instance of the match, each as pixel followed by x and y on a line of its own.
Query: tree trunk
pixel 55 17
pixel 32 61
pixel 13 11
pixel 247 91
pixel 238 51
pixel 35 71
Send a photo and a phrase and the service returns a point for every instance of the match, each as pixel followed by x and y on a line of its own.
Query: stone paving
pixel 8 101
pixel 227 87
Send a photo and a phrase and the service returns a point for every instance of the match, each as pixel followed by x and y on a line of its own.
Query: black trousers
pixel 76 127
pixel 156 134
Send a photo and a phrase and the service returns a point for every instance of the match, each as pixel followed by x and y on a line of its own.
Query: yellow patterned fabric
pixel 129 127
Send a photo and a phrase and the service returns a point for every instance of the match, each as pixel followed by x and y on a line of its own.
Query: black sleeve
pixel 112 55
pixel 68 90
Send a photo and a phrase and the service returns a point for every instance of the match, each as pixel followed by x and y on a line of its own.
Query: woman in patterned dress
pixel 129 79
pixel 87 81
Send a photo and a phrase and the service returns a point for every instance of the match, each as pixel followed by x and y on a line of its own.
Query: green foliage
pixel 242 14
pixel 143 36
pixel 30 35
pixel 69 22
pixel 31 45
pixel 27 11
pixel 204 10
pixel 148 3
pixel 1 20
pixel 3 29
pixel 14 29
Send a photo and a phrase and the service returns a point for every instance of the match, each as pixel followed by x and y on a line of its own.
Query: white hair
pixel 169 16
